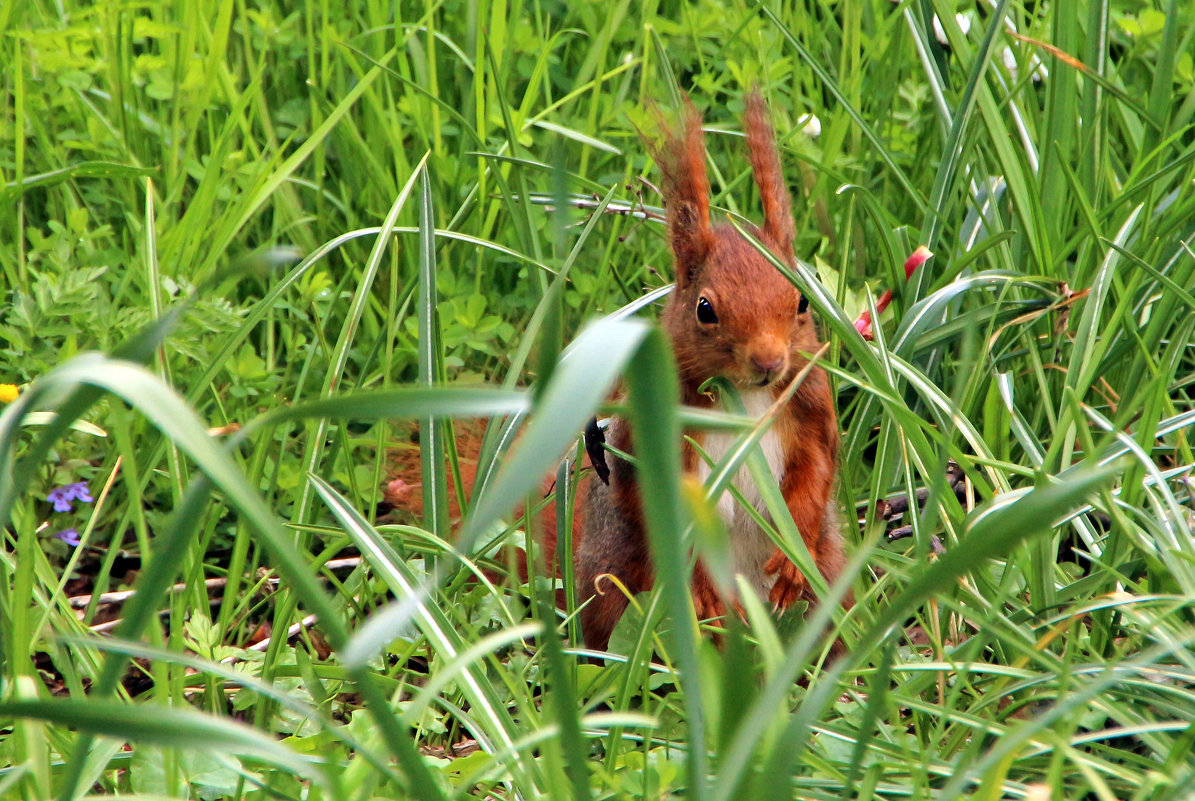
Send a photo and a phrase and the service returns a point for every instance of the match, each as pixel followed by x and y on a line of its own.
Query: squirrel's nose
pixel 769 363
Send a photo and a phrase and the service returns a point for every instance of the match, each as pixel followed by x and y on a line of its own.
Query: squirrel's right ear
pixel 686 190
pixel 765 163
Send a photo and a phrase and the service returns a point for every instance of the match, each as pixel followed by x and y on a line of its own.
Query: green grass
pixel 309 226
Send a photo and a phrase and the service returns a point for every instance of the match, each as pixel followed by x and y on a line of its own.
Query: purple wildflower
pixel 61 499
pixel 62 496
pixel 70 537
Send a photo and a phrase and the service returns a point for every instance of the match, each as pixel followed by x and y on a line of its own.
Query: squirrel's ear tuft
pixel 765 163
pixel 686 189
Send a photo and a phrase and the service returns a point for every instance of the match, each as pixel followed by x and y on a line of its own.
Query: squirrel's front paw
pixel 790 582
pixel 709 609
pixel 707 601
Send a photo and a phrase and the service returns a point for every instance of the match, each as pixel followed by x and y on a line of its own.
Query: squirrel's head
pixel 733 314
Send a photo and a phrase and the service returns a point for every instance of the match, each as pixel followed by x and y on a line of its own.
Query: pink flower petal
pixel 863 325
pixel 919 257
pixel 883 302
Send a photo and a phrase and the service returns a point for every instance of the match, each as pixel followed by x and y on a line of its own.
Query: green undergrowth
pixel 245 249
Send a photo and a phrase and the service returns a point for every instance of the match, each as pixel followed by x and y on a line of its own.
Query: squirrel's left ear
pixel 765 163
pixel 686 190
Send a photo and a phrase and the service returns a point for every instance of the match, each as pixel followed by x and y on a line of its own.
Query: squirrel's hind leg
pixel 613 545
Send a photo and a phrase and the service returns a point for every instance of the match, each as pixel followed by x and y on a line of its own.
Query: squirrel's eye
pixel 705 312
pixel 803 306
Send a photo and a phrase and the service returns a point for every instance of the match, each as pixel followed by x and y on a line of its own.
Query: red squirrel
pixel 732 315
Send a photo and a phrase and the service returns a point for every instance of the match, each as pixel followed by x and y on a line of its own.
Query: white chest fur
pixel 750 546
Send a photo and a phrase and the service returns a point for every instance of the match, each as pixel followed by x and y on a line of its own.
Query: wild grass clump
pixel 245 251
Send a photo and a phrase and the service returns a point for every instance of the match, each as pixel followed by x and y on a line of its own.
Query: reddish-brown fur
pixel 404 491
pixel 760 340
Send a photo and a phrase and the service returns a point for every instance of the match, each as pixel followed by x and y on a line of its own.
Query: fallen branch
pixel 120 596
pixel 262 644
pixel 895 507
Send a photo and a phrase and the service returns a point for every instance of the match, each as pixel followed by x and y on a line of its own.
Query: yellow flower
pixel 8 393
